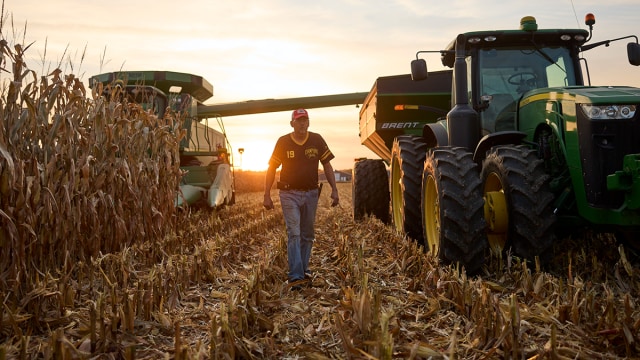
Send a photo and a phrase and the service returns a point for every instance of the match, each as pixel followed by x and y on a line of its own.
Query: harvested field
pixel 216 288
pixel 97 263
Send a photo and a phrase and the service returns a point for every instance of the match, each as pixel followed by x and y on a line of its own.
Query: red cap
pixel 300 113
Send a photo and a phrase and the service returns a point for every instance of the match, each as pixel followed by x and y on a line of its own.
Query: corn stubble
pixel 97 263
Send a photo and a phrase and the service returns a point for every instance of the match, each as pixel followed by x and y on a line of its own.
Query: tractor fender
pixel 435 134
pixel 498 138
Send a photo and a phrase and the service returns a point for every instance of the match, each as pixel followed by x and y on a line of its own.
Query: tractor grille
pixel 603 145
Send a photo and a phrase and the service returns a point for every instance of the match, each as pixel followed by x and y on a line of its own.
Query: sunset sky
pixel 252 50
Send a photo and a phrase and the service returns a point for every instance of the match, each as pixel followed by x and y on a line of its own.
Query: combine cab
pixel 204 152
pixel 507 149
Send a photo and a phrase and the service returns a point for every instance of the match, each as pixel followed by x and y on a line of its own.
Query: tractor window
pixel 556 76
pixel 180 102
pixel 507 73
pixel 148 97
pixel 516 71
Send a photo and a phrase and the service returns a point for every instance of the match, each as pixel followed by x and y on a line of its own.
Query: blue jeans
pixel 299 211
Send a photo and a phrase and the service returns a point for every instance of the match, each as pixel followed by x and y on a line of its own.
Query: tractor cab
pixel 505 74
pixel 504 65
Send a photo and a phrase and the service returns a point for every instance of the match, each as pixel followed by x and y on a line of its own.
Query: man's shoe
pixel 296 285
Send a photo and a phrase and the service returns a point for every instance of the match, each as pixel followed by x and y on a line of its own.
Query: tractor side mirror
pixel 633 52
pixel 418 69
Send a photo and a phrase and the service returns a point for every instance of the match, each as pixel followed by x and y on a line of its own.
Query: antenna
pixel 574 13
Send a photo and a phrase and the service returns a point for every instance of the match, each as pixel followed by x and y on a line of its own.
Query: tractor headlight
pixel 608 112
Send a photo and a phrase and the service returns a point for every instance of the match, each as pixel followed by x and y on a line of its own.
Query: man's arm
pixel 331 179
pixel 268 184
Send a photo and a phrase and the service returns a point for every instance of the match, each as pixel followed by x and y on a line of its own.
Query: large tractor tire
pixel 370 190
pixel 518 202
pixel 407 160
pixel 452 208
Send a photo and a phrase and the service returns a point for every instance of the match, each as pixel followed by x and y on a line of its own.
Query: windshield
pixel 507 73
pixel 515 71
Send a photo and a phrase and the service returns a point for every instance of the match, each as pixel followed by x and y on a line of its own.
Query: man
pixel 299 153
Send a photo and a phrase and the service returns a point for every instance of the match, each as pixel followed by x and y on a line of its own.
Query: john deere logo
pixel 311 153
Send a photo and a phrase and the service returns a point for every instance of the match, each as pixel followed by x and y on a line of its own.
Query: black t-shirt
pixel 300 160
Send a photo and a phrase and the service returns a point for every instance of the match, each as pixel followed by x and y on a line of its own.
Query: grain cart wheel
pixel 518 202
pixel 452 208
pixel 370 190
pixel 407 159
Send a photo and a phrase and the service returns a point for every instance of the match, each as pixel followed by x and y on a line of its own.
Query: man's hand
pixel 268 203
pixel 335 199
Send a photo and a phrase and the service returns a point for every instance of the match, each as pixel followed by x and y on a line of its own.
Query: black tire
pixel 407 160
pixel 370 187
pixel 517 175
pixel 452 208
pixel 629 237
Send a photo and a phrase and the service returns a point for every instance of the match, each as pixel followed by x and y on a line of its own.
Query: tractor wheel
pixel 407 159
pixel 370 190
pixel 518 202
pixel 452 208
pixel 630 239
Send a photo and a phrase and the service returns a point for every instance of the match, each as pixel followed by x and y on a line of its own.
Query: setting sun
pixel 253 159
pixel 254 156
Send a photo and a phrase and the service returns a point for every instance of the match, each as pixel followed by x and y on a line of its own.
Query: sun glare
pixel 251 157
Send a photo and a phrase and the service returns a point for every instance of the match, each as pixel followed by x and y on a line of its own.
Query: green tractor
pixel 205 153
pixel 507 150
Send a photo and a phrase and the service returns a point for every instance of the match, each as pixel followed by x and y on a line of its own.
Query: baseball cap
pixel 299 113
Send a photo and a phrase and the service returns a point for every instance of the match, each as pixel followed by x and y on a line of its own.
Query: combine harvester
pixel 205 153
pixel 504 151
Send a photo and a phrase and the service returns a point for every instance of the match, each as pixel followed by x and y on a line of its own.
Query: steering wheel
pixel 524 80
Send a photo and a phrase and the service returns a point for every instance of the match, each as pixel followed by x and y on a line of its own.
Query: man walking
pixel 299 153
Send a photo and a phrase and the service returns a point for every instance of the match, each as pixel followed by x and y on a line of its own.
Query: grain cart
pixel 528 147
pixel 205 154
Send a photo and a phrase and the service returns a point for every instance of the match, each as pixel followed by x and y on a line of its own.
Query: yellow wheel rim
pixel 432 215
pixel 496 213
pixel 396 195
